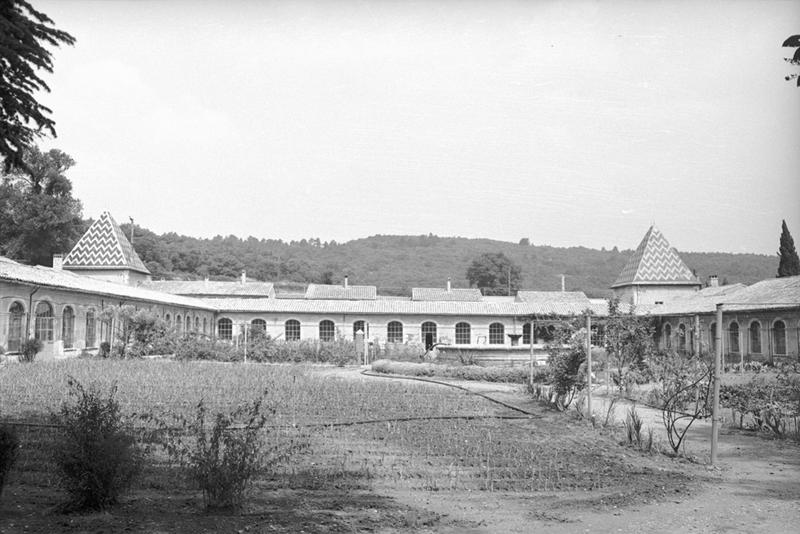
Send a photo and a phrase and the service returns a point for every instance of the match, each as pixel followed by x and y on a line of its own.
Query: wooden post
pixel 715 405
pixel 530 365
pixel 589 365
pixel 245 341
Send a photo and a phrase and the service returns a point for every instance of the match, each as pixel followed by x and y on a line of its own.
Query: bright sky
pixel 569 123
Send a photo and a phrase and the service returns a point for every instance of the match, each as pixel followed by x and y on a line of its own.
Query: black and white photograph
pixel 387 266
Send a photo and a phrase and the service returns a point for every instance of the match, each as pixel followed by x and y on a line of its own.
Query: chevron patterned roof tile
pixel 104 245
pixel 655 261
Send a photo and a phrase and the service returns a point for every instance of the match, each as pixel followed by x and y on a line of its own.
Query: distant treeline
pixel 397 263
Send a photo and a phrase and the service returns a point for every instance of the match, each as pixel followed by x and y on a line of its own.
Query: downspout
pixel 30 313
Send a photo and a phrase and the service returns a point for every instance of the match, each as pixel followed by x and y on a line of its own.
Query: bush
pixel 29 349
pixel 223 458
pixel 9 448
pixel 771 406
pixel 105 349
pixel 96 454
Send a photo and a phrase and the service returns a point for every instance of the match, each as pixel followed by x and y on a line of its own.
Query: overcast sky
pixel 569 123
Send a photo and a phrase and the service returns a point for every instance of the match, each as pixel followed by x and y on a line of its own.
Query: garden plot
pixel 355 473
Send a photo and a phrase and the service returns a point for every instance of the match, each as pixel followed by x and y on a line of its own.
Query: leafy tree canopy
pixel 38 214
pixel 789 263
pixel 494 273
pixel 793 42
pixel 25 35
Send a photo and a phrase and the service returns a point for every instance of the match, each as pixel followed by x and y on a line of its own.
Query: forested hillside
pixel 397 263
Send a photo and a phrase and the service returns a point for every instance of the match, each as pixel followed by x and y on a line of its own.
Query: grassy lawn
pixel 344 480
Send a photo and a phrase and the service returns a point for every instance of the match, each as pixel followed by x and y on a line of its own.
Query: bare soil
pixel 755 486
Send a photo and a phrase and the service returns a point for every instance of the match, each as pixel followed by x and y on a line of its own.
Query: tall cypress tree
pixel 789 262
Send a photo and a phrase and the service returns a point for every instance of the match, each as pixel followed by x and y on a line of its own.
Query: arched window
pixel 197 324
pixel 188 324
pixel 394 332
pixel 291 330
pixel 360 326
pixel 168 319
pixel 526 334
pixel 91 329
pixel 463 334
pixel 68 327
pixel 224 328
pixel 755 337
pixel 44 322
pixel 179 324
pixel 779 337
pixel 16 326
pixel 667 336
pixel 733 337
pixel 712 338
pixel 259 325
pixel 682 337
pixel 497 334
pixel 429 334
pixel 205 325
pixel 327 330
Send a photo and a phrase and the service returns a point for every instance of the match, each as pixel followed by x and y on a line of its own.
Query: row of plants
pixel 518 375
pixel 98 455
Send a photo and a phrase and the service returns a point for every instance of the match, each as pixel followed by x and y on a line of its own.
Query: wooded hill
pixel 397 263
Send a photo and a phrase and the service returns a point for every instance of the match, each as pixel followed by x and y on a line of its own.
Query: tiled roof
pixel 337 292
pixel 442 294
pixel 399 307
pixel 774 293
pixel 556 302
pixel 12 271
pixel 655 262
pixel 212 288
pixel 104 245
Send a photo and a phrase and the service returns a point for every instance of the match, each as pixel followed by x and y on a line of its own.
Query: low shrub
pixel 95 453
pixel 465 372
pixel 105 349
pixel 223 453
pixel 768 405
pixel 29 349
pixel 9 449
pixel 634 433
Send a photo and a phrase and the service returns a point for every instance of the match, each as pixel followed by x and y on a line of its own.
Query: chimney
pixel 563 283
pixel 58 261
pixel 448 284
pixel 713 281
pixel 244 276
pixel 345 282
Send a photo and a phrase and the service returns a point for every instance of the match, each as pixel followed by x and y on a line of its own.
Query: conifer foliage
pixel 25 35
pixel 789 264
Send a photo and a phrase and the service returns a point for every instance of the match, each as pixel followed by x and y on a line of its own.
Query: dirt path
pixel 754 487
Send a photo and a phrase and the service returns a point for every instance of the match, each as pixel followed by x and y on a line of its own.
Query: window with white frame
pixel 43 329
pixel 68 327
pixel 224 328
pixel 497 334
pixel 755 337
pixel 463 334
pixel 327 330
pixel 16 326
pixel 779 337
pixel 394 332
pixel 291 330
pixel 91 329
pixel 733 337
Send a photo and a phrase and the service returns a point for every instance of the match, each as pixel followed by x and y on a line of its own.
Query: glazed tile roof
pixel 774 293
pixel 442 294
pixel 541 306
pixel 11 271
pixel 104 246
pixel 655 262
pixel 212 288
pixel 337 292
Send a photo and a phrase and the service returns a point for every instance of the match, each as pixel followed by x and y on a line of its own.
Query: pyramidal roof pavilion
pixel 104 246
pixel 655 262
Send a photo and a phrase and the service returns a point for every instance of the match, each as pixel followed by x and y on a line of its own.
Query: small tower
pixel 104 252
pixel 654 274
